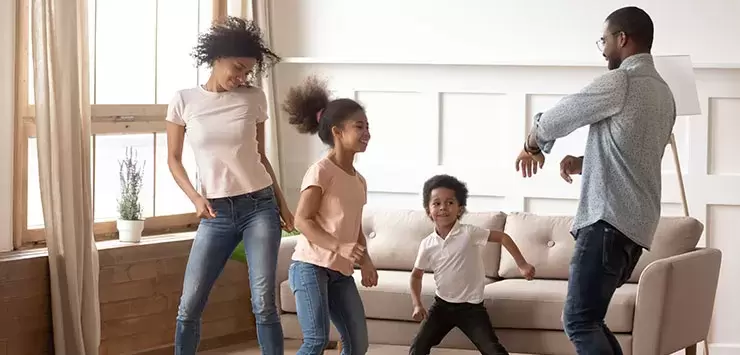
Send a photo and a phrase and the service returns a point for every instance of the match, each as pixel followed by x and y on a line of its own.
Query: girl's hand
pixel 203 208
pixel 351 251
pixel 369 274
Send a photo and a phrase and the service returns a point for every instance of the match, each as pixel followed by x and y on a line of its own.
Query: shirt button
pixel 550 243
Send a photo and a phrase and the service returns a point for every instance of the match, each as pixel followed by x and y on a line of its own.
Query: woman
pixel 239 198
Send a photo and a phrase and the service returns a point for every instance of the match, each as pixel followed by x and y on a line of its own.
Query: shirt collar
pixel 636 60
pixel 455 229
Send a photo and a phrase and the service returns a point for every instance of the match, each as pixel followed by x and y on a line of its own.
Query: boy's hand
pixel 419 313
pixel 527 270
pixel 369 274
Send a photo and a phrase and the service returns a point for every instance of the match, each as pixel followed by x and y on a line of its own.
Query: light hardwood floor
pixel 291 346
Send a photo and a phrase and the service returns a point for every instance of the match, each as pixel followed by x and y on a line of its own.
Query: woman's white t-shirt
pixel 222 131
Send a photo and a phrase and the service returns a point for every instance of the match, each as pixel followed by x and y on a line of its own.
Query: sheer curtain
pixel 8 117
pixel 59 34
pixel 258 11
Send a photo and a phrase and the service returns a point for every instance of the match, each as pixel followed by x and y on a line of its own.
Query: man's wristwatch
pixel 531 151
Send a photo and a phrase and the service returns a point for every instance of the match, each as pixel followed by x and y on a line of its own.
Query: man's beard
pixel 613 63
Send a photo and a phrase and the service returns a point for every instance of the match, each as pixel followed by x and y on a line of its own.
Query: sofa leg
pixel 333 345
pixel 691 350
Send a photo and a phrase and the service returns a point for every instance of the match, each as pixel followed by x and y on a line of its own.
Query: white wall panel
pixel 534 31
pixel 724 131
pixel 458 88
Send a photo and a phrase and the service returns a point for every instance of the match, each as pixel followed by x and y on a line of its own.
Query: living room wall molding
pixel 483 63
pixel 469 119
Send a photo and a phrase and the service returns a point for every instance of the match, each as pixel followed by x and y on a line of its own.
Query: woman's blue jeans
pixel 255 219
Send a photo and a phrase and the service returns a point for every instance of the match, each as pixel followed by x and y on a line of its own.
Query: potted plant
pixel 130 224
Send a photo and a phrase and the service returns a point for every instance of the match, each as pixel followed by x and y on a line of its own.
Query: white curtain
pixel 60 55
pixel 258 11
pixel 8 117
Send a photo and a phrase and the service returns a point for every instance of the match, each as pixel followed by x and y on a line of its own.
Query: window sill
pixel 38 252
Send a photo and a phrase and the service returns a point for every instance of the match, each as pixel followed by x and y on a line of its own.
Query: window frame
pixel 104 119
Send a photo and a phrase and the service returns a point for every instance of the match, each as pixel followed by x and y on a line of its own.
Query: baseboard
pixel 207 344
pixel 721 349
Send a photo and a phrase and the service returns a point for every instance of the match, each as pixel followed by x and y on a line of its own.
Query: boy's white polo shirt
pixel 456 262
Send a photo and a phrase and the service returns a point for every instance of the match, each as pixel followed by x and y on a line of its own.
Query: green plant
pixel 131 177
pixel 239 254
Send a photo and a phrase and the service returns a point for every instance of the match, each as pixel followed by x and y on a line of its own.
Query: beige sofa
pixel 666 306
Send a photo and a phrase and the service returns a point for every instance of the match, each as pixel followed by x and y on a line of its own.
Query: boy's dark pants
pixel 472 319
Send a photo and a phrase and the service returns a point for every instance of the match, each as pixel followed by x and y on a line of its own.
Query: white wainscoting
pixel 470 121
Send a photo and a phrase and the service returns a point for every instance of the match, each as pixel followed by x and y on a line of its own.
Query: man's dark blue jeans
pixel 603 260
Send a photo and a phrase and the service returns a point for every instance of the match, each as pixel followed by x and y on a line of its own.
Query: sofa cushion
pixel 674 236
pixel 394 236
pixel 546 242
pixel 391 299
pixel 538 304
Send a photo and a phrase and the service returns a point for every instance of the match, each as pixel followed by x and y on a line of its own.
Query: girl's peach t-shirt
pixel 340 213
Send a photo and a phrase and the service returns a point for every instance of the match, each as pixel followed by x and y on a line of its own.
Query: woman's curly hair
pixel 234 37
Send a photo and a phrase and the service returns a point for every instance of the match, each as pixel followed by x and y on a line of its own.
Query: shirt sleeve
pixel 478 235
pixel 315 176
pixel 422 258
pixel 175 110
pixel 601 99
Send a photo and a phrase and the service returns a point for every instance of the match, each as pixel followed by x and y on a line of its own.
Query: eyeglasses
pixel 601 43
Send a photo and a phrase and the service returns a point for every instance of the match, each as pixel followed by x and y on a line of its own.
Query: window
pixel 139 56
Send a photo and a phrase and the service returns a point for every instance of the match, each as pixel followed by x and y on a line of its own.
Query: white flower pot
pixel 129 231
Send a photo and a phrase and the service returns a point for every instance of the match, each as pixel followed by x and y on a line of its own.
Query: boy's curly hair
pixel 448 182
pixel 234 37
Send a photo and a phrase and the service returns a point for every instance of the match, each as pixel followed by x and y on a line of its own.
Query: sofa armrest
pixel 287 245
pixel 675 302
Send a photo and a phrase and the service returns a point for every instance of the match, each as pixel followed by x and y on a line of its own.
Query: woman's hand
pixel 203 208
pixel 287 222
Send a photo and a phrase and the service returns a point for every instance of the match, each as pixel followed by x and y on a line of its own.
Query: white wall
pixel 454 92
pixel 7 107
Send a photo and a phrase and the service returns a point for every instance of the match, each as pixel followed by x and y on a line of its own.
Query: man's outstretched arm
pixel 601 99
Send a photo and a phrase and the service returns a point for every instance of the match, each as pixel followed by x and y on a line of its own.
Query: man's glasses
pixel 601 43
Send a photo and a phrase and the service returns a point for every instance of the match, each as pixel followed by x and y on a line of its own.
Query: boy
pixel 452 251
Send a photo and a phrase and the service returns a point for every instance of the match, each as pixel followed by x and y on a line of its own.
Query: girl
pixel 239 198
pixel 329 215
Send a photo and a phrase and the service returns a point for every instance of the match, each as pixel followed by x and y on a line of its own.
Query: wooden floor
pixel 291 346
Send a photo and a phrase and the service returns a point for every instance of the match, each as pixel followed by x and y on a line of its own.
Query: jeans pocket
pixel 613 255
pixel 634 252
pixel 264 198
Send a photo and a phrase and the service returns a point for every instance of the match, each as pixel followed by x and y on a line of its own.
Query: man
pixel 631 113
